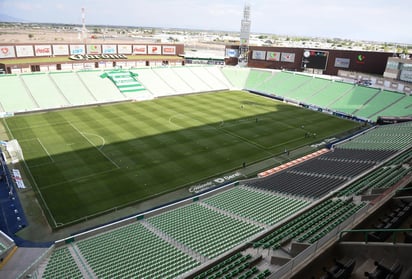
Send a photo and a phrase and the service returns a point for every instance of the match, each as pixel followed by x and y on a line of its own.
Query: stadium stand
pixel 128 84
pixel 236 265
pixel 50 98
pixel 72 88
pixel 307 89
pixel 103 89
pixel 280 83
pixel 388 137
pixel 262 207
pixel 158 87
pixel 349 103
pixel 290 214
pixel 196 240
pixel 350 99
pixel 196 83
pixel 382 271
pixel 236 76
pixel 174 81
pixel 124 80
pixel 340 270
pixel 15 97
pixel 401 107
pixel 330 94
pixel 204 230
pixel 61 261
pixel 256 78
pixel 106 253
pixel 391 219
pixel 216 81
pixel 380 102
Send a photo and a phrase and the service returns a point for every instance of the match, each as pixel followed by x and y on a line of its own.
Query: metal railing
pixel 365 232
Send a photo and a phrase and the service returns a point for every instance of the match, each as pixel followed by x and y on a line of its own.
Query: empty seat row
pixel 391 220
pixel 342 269
pixel 263 207
pixel 385 272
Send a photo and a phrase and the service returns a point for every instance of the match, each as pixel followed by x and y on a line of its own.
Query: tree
pixel 31 36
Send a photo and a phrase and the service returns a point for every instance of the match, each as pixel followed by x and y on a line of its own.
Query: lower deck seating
pixel 384 272
pixel 203 230
pixel 312 225
pixel 236 266
pixel 342 269
pixel 391 220
pixel 61 262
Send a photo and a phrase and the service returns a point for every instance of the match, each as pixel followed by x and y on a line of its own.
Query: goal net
pixel 14 151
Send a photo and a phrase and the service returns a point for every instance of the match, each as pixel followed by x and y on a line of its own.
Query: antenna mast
pixel 244 36
pixel 84 31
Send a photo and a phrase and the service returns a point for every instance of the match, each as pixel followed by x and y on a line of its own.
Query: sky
pixel 368 20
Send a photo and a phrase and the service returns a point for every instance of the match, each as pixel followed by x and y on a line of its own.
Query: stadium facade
pixel 24 58
pixel 322 61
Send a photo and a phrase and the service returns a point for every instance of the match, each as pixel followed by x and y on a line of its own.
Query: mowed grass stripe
pixel 159 145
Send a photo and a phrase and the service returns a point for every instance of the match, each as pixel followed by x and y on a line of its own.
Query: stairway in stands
pixel 124 80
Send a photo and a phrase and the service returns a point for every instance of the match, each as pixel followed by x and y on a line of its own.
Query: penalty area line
pixel 98 149
pixel 47 152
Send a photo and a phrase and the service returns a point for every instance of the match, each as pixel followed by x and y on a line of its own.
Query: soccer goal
pixel 14 151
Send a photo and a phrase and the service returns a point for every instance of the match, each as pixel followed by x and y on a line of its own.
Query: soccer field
pixel 88 160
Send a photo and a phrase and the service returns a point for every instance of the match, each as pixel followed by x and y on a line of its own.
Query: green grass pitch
pixel 85 161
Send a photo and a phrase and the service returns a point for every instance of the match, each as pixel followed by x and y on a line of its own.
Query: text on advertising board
pixel 97 56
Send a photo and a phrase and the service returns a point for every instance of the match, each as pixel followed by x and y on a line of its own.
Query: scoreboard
pixel 315 59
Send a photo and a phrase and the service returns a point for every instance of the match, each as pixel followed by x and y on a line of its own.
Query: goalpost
pixel 14 151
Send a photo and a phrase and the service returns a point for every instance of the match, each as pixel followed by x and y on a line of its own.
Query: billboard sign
pixel 259 55
pixel 43 50
pixel 360 59
pixel 406 75
pixel 342 62
pixel 154 49
pixel 7 52
pixel 232 52
pixel 94 49
pixel 60 49
pixel 77 49
pixel 124 49
pixel 139 49
pixel 273 56
pixel 169 50
pixel 315 59
pixel 287 57
pixel 24 51
pixel 109 49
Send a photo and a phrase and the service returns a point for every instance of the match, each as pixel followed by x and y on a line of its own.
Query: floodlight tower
pixel 84 31
pixel 244 36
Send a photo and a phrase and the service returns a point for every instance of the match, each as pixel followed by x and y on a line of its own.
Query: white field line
pixel 34 182
pixel 102 138
pixel 98 149
pixel 78 178
pixel 47 152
